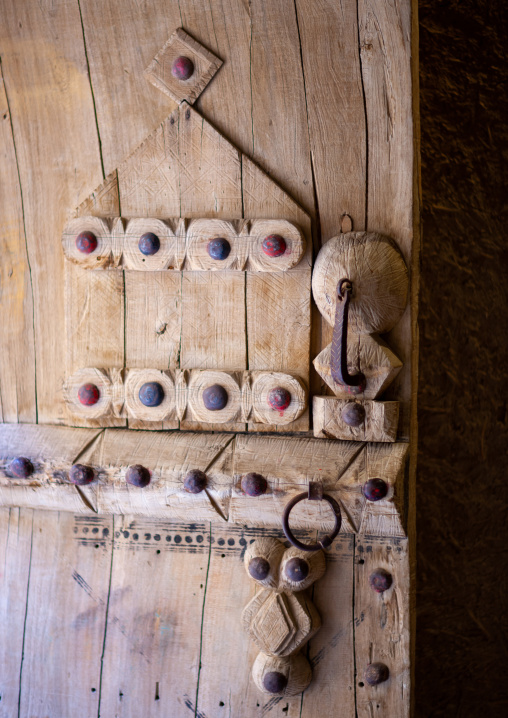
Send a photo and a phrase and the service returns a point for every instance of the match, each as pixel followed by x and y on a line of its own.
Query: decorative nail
pixel 375 489
pixel 151 394
pixel 279 398
pixel 376 673
pixel 296 569
pixel 195 481
pixel 182 68
pixel 380 580
pixel 137 475
pixel 81 474
pixel 259 568
pixel 89 394
pixel 254 484
pixel 274 245
pixel 274 682
pixel 219 248
pixel 353 414
pixel 21 467
pixel 149 244
pixel 215 397
pixel 86 242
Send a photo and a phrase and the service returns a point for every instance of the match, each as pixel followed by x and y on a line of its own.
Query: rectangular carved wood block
pixel 287 463
pixel 331 416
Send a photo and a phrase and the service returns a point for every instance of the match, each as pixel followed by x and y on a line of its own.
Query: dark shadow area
pixel 462 515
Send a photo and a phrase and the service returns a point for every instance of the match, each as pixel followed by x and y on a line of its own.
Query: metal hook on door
pixel 353 383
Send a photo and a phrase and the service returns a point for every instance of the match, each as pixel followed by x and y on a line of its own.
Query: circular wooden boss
pixel 379 276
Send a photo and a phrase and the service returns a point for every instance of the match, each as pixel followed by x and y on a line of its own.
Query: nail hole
pixel 361 560
pixel 223 555
pixel 361 684
pixel 158 550
pixel 96 545
pixel 93 690
pixel 221 703
pixel 157 691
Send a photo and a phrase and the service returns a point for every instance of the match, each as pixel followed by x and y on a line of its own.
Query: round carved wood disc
pixel 379 276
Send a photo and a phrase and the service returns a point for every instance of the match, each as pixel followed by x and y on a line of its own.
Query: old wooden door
pixel 162 205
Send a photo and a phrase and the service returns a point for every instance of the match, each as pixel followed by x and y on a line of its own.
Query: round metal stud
pixel 81 474
pixel 218 248
pixel 149 244
pixel 296 569
pixel 182 68
pixel 353 414
pixel 86 242
pixel 274 682
pixel 380 580
pixel 88 394
pixel 376 673
pixel 215 397
pixel 254 484
pixel 259 568
pixel 375 489
pixel 21 467
pixel 137 475
pixel 279 398
pixel 274 245
pixel 195 481
pixel 151 394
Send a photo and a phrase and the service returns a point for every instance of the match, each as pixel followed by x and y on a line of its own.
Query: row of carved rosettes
pixel 116 393
pixel 182 244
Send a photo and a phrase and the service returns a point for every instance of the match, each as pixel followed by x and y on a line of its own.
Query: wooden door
pixel 124 592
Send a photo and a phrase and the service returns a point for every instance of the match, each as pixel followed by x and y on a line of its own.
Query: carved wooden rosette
pixel 281 618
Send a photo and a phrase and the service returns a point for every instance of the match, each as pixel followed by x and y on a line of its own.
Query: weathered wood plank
pixel 15 548
pixel 45 74
pixel 153 635
pixel 67 603
pixel 17 368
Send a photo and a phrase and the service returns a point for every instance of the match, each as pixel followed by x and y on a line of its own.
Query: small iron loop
pixel 344 286
pixel 313 494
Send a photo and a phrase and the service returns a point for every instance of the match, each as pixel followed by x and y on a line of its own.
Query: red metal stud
pixel 254 484
pixel 375 489
pixel 274 245
pixel 195 481
pixel 182 68
pixel 380 580
pixel 137 475
pixel 89 394
pixel 376 673
pixel 279 398
pixel 86 242
pixel 21 467
pixel 81 474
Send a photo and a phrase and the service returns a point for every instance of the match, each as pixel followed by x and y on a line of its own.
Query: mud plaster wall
pixel 463 424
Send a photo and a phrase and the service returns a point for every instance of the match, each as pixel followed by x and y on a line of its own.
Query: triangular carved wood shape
pixel 298 116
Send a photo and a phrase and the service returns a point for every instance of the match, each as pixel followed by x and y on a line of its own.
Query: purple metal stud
pixel 279 398
pixel 86 242
pixel 21 467
pixel 296 569
pixel 215 397
pixel 274 682
pixel 137 475
pixel 81 474
pixel 149 244
pixel 254 484
pixel 89 394
pixel 182 68
pixel 375 489
pixel 274 245
pixel 218 248
pixel 376 673
pixel 353 414
pixel 259 568
pixel 195 481
pixel 151 394
pixel 380 580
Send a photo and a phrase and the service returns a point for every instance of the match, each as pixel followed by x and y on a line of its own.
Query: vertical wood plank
pixel 385 42
pixel 153 637
pixel 15 548
pixel 331 651
pixel 67 602
pixel 382 627
pixel 45 74
pixel 17 368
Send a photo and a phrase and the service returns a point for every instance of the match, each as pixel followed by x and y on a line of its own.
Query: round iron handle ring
pixel 324 542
